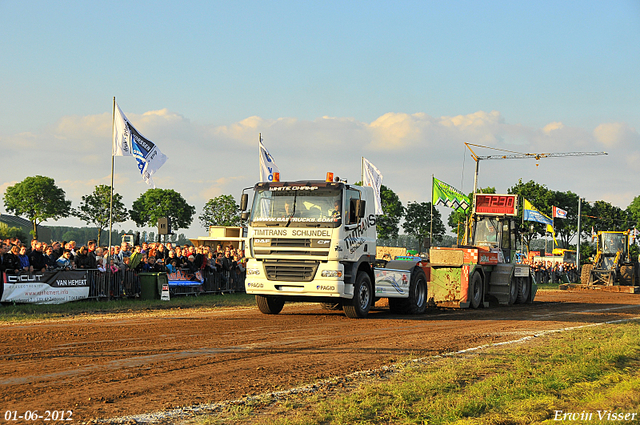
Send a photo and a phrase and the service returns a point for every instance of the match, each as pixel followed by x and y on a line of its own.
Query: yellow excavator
pixel 612 264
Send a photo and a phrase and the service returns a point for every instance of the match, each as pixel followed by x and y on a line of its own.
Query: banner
pixel 184 278
pixel 127 141
pixel 268 167
pixel 448 196
pixel 54 287
pixel 559 213
pixel 372 177
pixel 532 214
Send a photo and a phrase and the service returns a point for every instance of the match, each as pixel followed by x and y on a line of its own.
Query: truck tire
pixel 359 305
pixel 524 291
pixel 626 275
pixel 417 301
pixel 475 290
pixel 269 305
pixel 514 289
pixel 585 274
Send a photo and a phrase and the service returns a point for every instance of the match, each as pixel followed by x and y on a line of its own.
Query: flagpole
pixel 113 125
pixel 362 170
pixel 431 221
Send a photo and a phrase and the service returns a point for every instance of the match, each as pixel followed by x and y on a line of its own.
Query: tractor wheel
pixel 626 275
pixel 475 290
pixel 362 296
pixel 585 275
pixel 524 291
pixel 514 289
pixel 269 305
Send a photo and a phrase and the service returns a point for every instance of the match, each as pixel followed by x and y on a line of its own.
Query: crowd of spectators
pixel 16 257
pixel 553 272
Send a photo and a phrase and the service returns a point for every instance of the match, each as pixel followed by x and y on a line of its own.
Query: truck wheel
pixel 514 288
pixel 475 290
pixel 417 302
pixel 362 295
pixel 524 289
pixel 269 305
pixel 585 274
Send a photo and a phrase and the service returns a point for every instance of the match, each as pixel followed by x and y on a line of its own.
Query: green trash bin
pixel 149 286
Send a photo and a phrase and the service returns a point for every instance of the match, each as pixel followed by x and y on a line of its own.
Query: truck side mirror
pixel 360 208
pixel 244 215
pixel 244 200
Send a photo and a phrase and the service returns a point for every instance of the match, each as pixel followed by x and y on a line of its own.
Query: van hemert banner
pixel 55 287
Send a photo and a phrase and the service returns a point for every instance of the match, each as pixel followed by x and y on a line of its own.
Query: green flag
pixel 449 196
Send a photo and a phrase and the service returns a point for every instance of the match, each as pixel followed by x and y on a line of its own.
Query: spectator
pixel 135 258
pixel 191 264
pixel 160 252
pixel 172 266
pixel 25 264
pixel 36 258
pixel 57 249
pixel 64 262
pixel 12 262
pixel 125 250
pixel 49 259
pixel 100 266
pixel 153 267
pixel 84 261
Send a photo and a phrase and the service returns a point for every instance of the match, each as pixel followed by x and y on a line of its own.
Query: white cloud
pixel 207 161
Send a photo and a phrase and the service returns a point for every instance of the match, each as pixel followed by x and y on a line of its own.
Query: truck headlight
pixel 331 273
pixel 254 272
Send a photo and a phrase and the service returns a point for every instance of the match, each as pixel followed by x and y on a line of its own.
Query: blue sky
pixel 401 83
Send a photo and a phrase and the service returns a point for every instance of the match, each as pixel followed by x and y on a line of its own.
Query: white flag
pixel 268 167
pixel 121 135
pixel 127 141
pixel 371 176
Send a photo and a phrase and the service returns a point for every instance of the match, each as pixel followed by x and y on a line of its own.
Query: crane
pixel 519 155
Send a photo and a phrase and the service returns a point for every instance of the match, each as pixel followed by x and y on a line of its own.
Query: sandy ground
pixel 104 367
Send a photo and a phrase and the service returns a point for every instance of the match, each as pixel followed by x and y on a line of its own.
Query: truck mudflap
pixel 449 286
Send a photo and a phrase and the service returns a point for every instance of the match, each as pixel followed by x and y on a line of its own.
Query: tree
pixel 158 203
pixel 634 211
pixel 541 198
pixel 7 232
pixel 566 228
pixel 38 199
pixel 220 211
pixel 604 216
pixel 458 219
pixel 388 223
pixel 417 222
pixel 94 208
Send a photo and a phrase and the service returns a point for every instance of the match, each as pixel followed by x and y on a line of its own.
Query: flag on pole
pixel 372 177
pixel 127 141
pixel 269 171
pixel 532 214
pixel 551 230
pixel 559 213
pixel 448 196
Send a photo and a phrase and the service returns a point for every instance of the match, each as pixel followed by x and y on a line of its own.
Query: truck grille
pixel 296 243
pixel 291 271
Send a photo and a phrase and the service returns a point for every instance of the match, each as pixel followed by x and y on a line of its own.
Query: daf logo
pixel 262 240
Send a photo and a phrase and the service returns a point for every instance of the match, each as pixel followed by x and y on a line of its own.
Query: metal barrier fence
pixel 126 284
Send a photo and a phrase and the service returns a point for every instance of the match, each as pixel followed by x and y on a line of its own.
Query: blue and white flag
pixel 269 171
pixel 532 214
pixel 127 141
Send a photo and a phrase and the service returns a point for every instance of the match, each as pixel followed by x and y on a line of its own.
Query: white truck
pixel 315 241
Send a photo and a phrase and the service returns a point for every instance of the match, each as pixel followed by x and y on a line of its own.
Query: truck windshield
pixel 486 233
pixel 319 207
pixel 613 242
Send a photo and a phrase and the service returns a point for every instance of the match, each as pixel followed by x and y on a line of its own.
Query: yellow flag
pixel 551 230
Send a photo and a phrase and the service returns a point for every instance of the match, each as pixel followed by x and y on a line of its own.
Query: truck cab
pixel 311 241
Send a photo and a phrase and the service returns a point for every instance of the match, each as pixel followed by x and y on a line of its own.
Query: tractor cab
pixel 497 234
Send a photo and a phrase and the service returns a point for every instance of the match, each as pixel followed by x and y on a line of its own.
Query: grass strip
pixel 586 371
pixel 29 312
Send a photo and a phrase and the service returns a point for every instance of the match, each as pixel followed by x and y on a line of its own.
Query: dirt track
pixel 108 367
